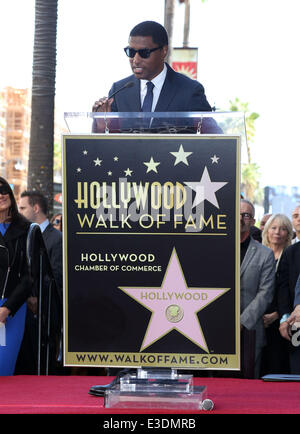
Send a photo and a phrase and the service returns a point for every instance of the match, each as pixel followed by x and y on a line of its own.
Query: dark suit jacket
pixel 288 272
pixel 257 288
pixel 53 242
pixel 179 93
pixel 297 292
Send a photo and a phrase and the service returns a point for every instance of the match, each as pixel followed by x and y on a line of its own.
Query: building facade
pixel 14 136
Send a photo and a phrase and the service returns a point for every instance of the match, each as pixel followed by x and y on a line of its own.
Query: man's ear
pixel 165 50
pixel 36 208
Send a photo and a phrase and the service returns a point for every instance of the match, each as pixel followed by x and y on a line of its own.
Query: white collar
pixel 44 225
pixel 158 81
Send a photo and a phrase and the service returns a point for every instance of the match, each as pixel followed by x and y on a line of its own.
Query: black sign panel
pixel 151 253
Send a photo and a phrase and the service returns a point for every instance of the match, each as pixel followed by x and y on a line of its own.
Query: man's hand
pixel 4 312
pixel 103 105
pixel 269 318
pixel 32 303
pixel 285 330
pixel 295 316
pixel 286 326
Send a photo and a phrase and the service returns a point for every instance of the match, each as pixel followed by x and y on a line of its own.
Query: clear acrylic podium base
pixel 157 389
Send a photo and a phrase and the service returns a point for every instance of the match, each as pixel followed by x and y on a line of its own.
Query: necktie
pixel 147 104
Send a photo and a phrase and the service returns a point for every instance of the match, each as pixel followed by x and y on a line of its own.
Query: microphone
pixel 103 100
pixel 126 86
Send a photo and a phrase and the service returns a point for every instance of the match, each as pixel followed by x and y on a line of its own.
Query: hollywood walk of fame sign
pixel 151 251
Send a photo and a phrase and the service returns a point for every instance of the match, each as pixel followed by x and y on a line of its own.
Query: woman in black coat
pixel 15 283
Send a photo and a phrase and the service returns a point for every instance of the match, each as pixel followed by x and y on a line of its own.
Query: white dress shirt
pixel 158 82
pixel 44 225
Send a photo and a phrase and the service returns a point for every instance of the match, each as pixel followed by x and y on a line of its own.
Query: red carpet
pixel 69 395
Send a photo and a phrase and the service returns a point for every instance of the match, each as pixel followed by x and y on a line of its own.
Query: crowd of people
pixel 279 352
pixel 19 296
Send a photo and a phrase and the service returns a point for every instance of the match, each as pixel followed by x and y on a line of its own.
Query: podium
pixel 151 249
pixel 226 123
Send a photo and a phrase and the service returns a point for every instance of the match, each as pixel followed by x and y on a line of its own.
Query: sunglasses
pixel 143 52
pixel 246 216
pixel 57 222
pixel 4 190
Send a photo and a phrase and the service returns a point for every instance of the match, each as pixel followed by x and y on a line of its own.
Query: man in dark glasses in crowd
pixel 171 91
pixel 257 275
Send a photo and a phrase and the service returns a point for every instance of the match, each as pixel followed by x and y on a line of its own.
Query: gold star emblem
pixel 151 165
pixel 181 156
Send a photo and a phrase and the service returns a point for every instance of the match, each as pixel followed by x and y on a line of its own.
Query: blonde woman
pixel 277 235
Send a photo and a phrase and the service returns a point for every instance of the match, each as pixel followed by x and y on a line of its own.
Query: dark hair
pixel 36 198
pixel 52 221
pixel 151 28
pixel 13 210
pixel 250 204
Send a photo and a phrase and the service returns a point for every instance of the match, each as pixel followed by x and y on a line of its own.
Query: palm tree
pixel 186 29
pixel 250 171
pixel 40 167
pixel 168 22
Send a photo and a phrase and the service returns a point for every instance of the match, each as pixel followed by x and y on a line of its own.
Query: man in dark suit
pixel 34 206
pixel 170 91
pixel 288 299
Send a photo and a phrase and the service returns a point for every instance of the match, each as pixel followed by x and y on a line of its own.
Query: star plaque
pixel 174 305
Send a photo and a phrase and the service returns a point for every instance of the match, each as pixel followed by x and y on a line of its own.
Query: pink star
pixel 174 305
